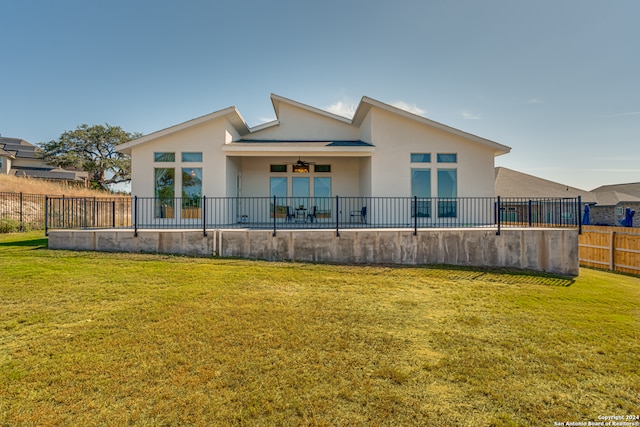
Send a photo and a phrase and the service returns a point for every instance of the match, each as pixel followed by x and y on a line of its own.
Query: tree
pixel 92 149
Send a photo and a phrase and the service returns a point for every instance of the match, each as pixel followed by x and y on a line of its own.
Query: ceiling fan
pixel 302 166
pixel 302 163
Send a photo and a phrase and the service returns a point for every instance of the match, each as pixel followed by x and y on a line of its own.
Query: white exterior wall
pixel 206 138
pixel 381 171
pixel 345 172
pixel 396 138
pixel 296 123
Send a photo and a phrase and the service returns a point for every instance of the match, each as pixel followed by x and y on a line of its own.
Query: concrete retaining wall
pixel 549 250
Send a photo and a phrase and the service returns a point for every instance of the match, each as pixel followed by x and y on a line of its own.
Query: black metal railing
pixel 280 213
pixel 21 211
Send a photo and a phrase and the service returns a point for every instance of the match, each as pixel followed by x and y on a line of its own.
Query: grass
pixel 28 185
pixel 116 339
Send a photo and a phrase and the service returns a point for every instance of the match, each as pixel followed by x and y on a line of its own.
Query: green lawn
pixel 116 339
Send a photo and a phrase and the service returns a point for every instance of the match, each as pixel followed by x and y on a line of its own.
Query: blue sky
pixel 558 81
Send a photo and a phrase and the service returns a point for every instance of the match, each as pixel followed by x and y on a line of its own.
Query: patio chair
pixel 361 214
pixel 311 216
pixel 289 214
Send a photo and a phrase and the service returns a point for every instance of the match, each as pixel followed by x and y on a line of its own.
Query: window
pixel 278 187
pixel 0 162
pixel 447 188
pixel 301 168
pixel 322 187
pixel 447 158
pixel 300 191
pixel 322 197
pixel 322 168
pixel 164 157
pixel 421 188
pixel 164 192
pixel 191 190
pixel 278 168
pixel 192 157
pixel 420 157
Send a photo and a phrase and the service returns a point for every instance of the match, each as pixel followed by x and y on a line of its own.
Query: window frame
pixel 197 153
pixel 157 156
pixel 442 158
pixel 415 157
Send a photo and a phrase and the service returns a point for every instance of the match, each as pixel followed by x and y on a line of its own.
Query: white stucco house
pixel 307 153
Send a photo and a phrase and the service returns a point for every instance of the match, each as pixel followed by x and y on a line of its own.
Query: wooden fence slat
pixel 617 248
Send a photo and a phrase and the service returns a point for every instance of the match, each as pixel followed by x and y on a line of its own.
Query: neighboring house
pixel 517 185
pixel 310 153
pixel 607 203
pixel 510 183
pixel 18 157
pixel 613 200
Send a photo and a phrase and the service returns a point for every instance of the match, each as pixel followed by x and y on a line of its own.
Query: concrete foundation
pixel 540 249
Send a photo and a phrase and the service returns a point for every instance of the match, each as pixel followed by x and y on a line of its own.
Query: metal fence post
pixel 46 215
pixel 579 209
pixel 337 216
pixel 275 209
pixel 21 212
pixel 84 216
pixel 498 212
pixel 530 214
pixel 135 216
pixel 204 216
pixel 415 215
pixel 113 214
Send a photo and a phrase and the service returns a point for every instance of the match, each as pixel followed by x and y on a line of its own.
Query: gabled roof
pixel 366 104
pixel 17 148
pixel 277 99
pixel 510 183
pixel 613 198
pixel 233 115
pixel 4 153
pixel 632 189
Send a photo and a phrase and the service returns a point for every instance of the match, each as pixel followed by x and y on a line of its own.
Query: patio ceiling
pixel 319 148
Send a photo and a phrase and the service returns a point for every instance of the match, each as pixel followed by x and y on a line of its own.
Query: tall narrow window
pixel 164 192
pixel 191 192
pixel 300 192
pixel 421 188
pixel 322 197
pixel 278 188
pixel 447 189
pixel 322 187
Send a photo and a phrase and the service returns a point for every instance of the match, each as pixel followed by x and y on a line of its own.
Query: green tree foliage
pixel 92 149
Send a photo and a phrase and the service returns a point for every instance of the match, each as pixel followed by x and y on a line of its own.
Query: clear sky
pixel 556 80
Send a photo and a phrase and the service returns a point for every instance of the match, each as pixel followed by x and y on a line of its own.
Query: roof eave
pixel 277 99
pixel 232 114
pixel 366 103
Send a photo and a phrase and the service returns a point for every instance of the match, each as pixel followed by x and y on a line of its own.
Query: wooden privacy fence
pixel 613 248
